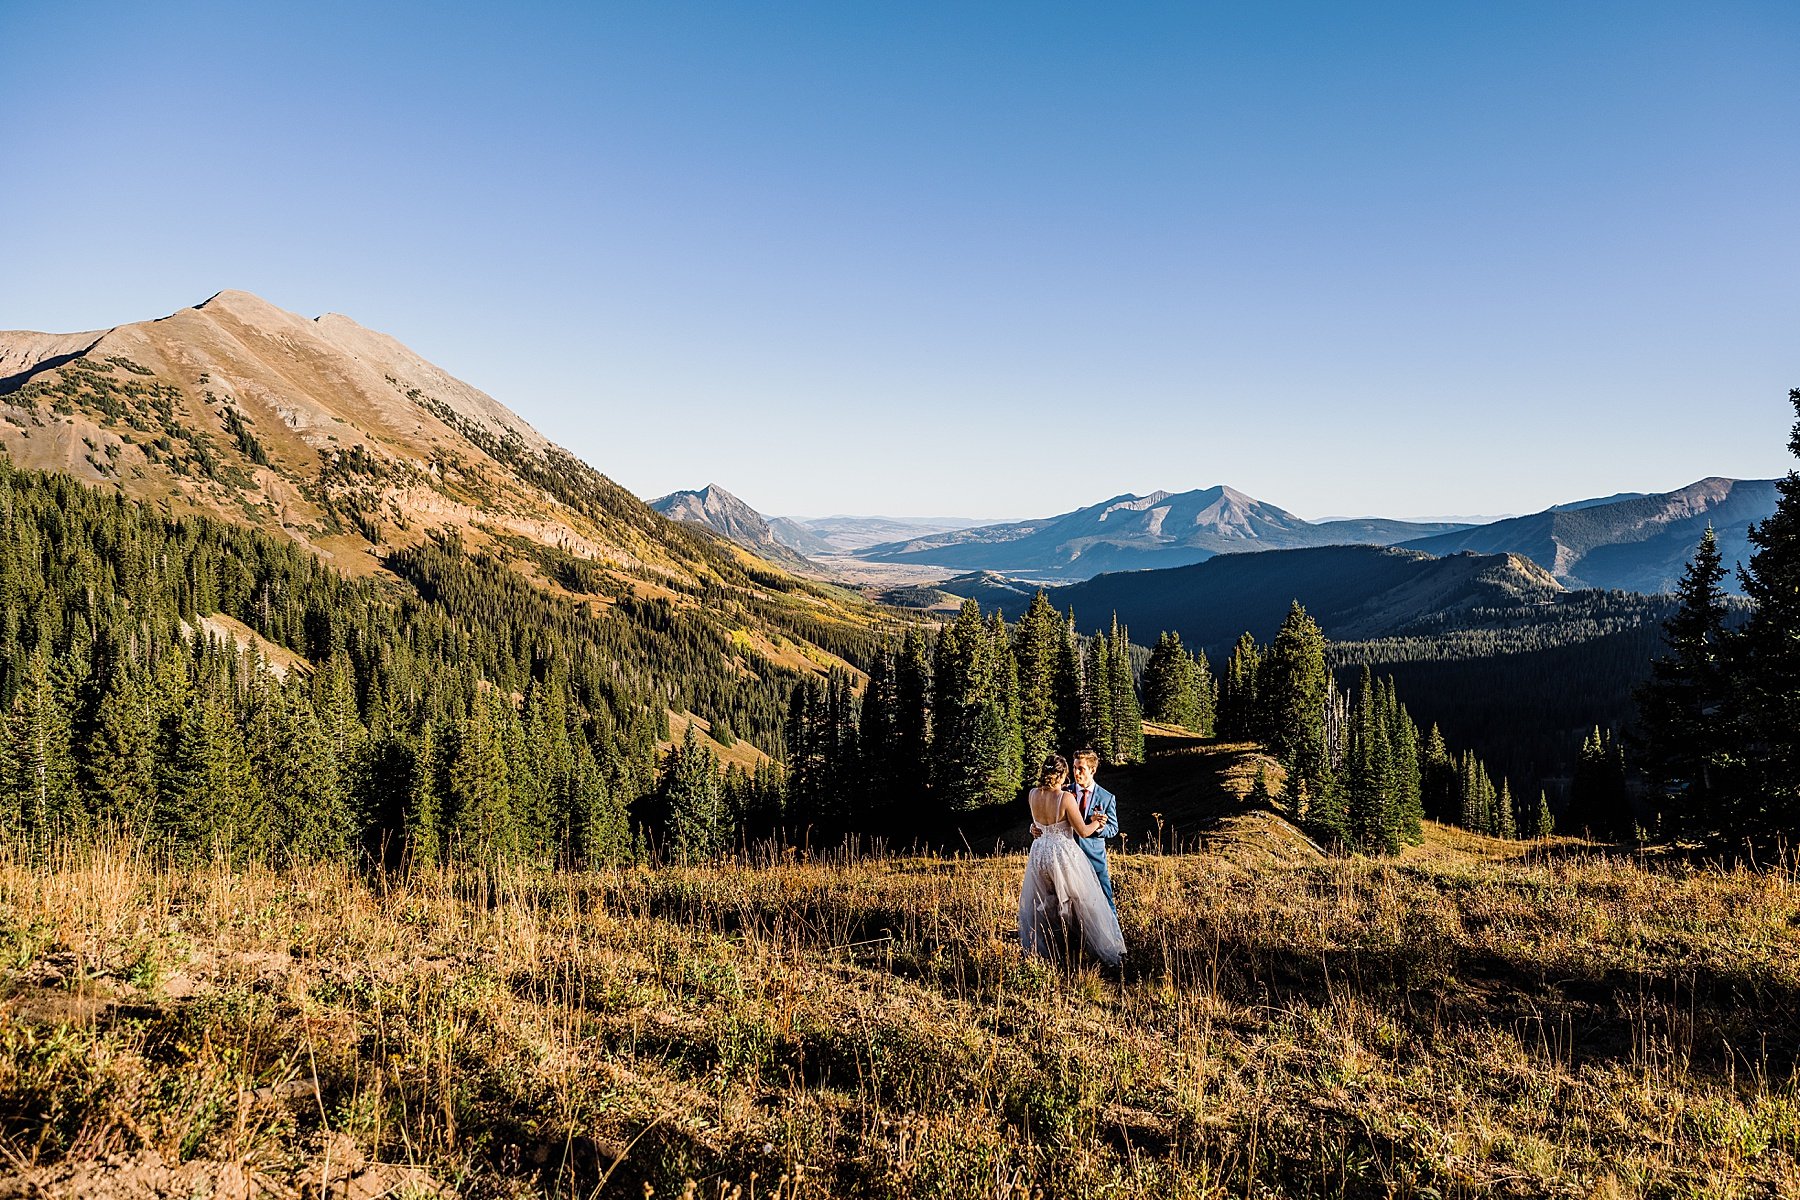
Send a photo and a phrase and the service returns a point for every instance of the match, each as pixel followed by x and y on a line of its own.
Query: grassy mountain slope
pixel 338 438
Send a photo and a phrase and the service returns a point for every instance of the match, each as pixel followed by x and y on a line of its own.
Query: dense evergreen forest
pixel 451 708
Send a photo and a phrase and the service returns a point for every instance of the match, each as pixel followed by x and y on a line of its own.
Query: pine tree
pixel 1261 795
pixel 1471 778
pixel 423 828
pixel 1038 648
pixel 841 785
pixel 692 798
pixel 973 757
pixel 1240 716
pixel 119 766
pixel 882 771
pixel 1543 822
pixel 1369 782
pixel 1328 815
pixel 1764 669
pixel 209 782
pixel 809 763
pixel 1071 692
pixel 1681 710
pixel 1293 683
pixel 1097 697
pixel 1598 802
pixel 1506 823
pixel 44 799
pixel 478 785
pixel 1127 733
pixel 913 689
pixel 1206 694
pixel 1439 783
pixel 1006 682
pixel 1169 684
pixel 599 833
pixel 1403 740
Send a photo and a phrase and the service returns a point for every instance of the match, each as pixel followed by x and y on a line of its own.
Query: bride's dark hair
pixel 1053 772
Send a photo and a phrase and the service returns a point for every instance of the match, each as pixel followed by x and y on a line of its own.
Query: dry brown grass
pixel 1448 1025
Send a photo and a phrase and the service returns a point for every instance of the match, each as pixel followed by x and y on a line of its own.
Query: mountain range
pixel 1129 533
pixel 1630 542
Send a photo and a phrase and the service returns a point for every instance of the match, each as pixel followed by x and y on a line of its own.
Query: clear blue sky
pixel 966 258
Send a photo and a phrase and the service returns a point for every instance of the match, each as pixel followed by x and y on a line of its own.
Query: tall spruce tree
pixel 1171 684
pixel 913 690
pixel 1127 731
pixel 119 767
pixel 1599 804
pixel 1369 781
pixel 1403 742
pixel 1097 697
pixel 883 772
pixel 478 782
pixel 974 761
pixel 1682 709
pixel 1440 787
pixel 1764 662
pixel 1071 692
pixel 1206 695
pixel 1240 711
pixel 1293 684
pixel 1506 823
pixel 691 795
pixel 1006 683
pixel 1038 646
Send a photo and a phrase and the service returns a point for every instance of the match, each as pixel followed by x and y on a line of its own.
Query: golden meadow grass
pixel 1455 1023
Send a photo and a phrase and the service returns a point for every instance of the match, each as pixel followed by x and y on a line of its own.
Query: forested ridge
pixel 450 703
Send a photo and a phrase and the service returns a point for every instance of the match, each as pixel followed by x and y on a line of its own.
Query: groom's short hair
pixel 1088 755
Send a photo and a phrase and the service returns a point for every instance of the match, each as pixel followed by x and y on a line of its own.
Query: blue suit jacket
pixel 1095 847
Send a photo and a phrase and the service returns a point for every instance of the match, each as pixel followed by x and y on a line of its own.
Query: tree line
pixel 1359 774
pixel 452 709
pixel 955 722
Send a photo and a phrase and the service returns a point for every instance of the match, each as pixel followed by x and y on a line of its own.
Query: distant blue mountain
pixel 1130 533
pixel 1634 543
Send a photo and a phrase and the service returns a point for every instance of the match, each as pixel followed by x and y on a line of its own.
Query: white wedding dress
pixel 1062 898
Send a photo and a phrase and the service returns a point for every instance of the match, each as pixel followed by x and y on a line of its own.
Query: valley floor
pixel 1456 1023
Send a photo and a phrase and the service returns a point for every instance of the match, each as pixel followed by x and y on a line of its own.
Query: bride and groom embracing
pixel 1066 882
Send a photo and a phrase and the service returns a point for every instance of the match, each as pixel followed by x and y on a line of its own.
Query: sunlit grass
pixel 1451 1024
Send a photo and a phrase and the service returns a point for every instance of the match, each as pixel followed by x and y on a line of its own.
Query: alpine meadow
pixel 909 602
pixel 559 848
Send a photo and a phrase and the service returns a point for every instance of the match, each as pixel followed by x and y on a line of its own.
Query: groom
pixel 1090 798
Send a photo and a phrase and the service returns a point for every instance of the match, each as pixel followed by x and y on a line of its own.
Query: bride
pixel 1060 887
